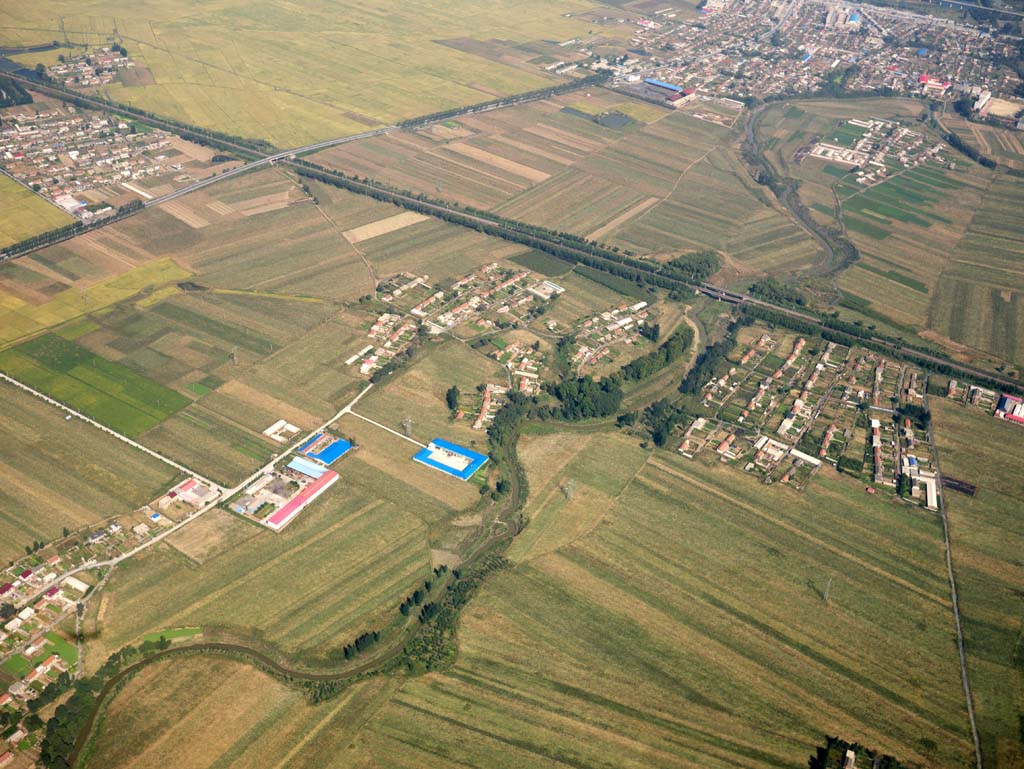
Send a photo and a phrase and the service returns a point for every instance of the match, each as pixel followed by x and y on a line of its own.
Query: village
pixel 784 418
pixel 488 299
pixel 883 148
pixel 88 163
pixel 738 51
pixel 96 68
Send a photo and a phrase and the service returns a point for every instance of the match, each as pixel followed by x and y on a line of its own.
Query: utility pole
pixel 828 589
pixel 234 354
pixel 570 489
pixel 407 427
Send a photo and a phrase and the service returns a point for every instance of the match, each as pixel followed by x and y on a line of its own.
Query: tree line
pixel 54 236
pixel 964 148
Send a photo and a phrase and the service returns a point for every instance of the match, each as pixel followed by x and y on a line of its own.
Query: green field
pixel 987 536
pixel 277 77
pixel 979 297
pixel 62 647
pixel 106 391
pixel 23 213
pixel 58 473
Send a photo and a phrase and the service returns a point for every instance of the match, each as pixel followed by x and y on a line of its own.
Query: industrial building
pixel 451 458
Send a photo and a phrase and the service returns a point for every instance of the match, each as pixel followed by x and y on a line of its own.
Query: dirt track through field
pixel 625 216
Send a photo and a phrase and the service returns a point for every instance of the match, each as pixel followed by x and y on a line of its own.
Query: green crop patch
pixel 172 634
pixel 543 263
pixel 104 390
pixel 614 282
pixel 906 280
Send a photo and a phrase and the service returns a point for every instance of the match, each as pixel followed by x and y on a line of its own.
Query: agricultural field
pixel 701 633
pixel 987 537
pixel 108 392
pixel 60 473
pixel 662 183
pixel 1003 146
pixel 202 325
pixel 981 293
pixel 702 636
pixel 938 241
pixel 23 213
pixel 277 77
pixel 232 714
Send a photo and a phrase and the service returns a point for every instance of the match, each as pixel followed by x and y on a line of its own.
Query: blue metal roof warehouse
pixel 663 84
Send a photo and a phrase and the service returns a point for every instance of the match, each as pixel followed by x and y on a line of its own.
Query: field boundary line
pixel 111 431
pixel 964 676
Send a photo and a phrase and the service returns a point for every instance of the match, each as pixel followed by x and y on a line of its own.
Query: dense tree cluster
pixel 661 418
pixel 919 416
pixel 672 350
pixel 585 398
pixel 697 267
pixel 706 364
pixel 451 398
pixel 651 331
pixel 362 643
pixel 966 149
pixel 771 290
pixel 12 93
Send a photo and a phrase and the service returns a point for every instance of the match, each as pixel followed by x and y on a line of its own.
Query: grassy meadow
pixel 24 214
pixel 271 69
pixel 58 473
pixel 987 536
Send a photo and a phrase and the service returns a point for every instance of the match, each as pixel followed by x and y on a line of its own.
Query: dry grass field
pixel 987 537
pixel 698 632
pixel 271 69
pixel 59 473
pixel 233 717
